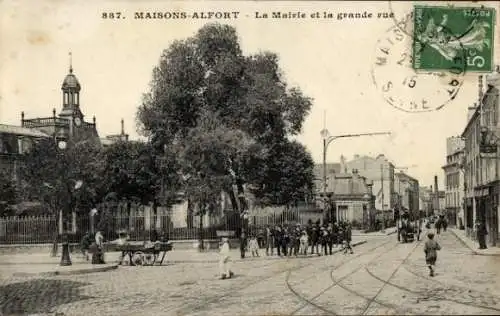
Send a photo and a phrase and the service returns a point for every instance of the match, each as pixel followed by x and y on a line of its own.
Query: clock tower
pixel 71 97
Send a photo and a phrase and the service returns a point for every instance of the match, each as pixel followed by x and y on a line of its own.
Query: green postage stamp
pixel 445 36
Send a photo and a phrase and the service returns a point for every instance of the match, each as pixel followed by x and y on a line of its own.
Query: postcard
pixel 249 157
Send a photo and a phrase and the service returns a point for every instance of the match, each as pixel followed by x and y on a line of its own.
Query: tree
pixel 9 193
pixel 135 170
pixel 206 81
pixel 51 175
pixel 48 171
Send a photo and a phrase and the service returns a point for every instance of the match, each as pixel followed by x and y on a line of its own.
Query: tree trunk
pixel 155 213
pixel 201 246
pixel 189 215
pixel 241 196
pixel 129 215
pixel 53 252
pixel 234 202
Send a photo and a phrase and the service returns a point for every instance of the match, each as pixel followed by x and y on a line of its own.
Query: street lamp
pixel 327 139
pixel 65 257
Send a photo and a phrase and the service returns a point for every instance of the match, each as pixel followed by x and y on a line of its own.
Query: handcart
pixel 139 255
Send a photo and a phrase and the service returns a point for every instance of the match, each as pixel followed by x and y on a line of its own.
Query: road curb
pixel 69 272
pixel 263 258
pixel 475 252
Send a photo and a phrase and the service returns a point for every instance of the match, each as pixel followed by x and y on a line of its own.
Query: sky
pixel 331 60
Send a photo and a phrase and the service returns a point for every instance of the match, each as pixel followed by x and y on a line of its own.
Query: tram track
pixel 310 301
pixel 418 293
pixel 235 290
pixel 386 282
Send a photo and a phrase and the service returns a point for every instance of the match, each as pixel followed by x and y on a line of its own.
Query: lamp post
pixel 65 257
pixel 327 139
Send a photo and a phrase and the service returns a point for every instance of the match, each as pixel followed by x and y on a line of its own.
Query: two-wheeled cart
pixel 139 255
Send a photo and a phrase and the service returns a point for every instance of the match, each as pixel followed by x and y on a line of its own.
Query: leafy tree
pixel 9 193
pixel 134 170
pixel 50 174
pixel 230 115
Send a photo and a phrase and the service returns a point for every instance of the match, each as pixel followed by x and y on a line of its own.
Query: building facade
pixel 454 181
pixel 351 199
pixel 69 125
pixel 481 159
pixel 408 193
pixel 380 172
pixel 14 141
pixel 425 201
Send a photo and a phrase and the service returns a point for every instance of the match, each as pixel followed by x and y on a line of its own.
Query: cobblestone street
pixel 381 277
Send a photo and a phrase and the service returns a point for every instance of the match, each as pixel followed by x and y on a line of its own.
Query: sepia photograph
pixel 264 157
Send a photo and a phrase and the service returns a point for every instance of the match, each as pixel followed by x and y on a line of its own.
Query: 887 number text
pixel 112 15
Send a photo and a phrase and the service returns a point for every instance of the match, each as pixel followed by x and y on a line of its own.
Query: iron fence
pixel 28 230
pixel 140 224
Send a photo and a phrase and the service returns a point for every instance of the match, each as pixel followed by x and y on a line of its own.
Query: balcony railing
pixel 45 121
pixel 52 121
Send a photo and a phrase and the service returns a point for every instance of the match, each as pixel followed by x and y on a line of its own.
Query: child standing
pixel 303 243
pixel 431 247
pixel 224 260
pixel 254 246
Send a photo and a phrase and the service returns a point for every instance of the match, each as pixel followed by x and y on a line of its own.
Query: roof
pixel 71 82
pixel 489 97
pixel 21 131
pixel 330 168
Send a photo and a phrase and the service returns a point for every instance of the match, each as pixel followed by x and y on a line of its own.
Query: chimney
pixel 436 194
pixel 480 89
pixel 123 128
pixel 343 167
pixel 22 118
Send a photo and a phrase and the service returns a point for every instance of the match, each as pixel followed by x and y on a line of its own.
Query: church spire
pixel 70 63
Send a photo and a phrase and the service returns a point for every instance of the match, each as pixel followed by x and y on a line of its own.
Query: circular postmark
pixel 404 87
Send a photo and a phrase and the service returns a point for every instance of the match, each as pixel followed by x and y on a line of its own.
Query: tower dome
pixel 71 94
pixel 71 82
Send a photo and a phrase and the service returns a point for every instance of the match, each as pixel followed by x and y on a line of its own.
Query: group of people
pixel 289 240
pixel 295 240
pixel 94 244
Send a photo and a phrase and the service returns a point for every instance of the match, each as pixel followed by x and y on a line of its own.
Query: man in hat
pixel 224 260
pixel 481 234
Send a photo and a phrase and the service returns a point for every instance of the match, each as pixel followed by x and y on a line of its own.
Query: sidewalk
pixel 473 245
pixel 43 264
pixel 386 232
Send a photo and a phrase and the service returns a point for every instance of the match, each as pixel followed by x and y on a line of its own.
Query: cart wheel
pixel 138 258
pixel 149 259
pixel 126 260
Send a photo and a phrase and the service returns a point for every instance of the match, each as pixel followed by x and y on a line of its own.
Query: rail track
pixel 310 301
pixel 456 301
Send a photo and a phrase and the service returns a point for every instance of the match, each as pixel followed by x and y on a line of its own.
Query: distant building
pixel 426 201
pixel 481 162
pixel 380 171
pixel 351 199
pixel 68 125
pixel 408 191
pixel 111 139
pixel 349 196
pixel 14 140
pixel 454 181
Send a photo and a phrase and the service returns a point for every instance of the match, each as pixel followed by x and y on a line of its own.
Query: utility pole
pixel 382 189
pixel 327 139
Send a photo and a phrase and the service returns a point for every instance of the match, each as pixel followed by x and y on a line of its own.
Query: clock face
pixel 78 121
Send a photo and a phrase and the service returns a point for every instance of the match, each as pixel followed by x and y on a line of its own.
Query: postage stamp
pixel 404 87
pixel 442 33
